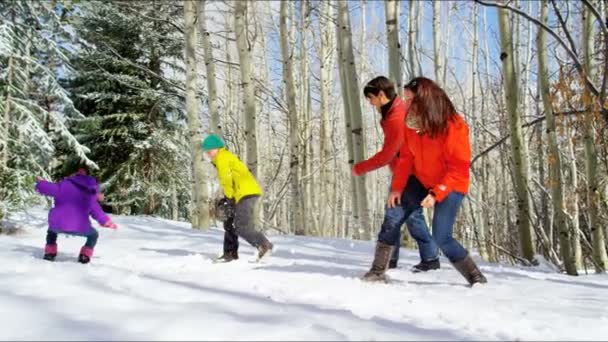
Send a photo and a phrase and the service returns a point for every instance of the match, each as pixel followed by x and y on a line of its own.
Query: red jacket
pixel 441 164
pixel 393 126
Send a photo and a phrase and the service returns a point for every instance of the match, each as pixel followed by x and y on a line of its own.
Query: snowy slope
pixel 154 279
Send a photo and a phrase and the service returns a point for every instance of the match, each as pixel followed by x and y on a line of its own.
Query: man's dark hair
pixel 378 84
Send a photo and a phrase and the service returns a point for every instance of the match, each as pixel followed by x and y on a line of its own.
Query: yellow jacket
pixel 235 178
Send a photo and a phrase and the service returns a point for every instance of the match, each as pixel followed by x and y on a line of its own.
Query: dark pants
pixel 409 211
pixel 92 236
pixel 417 227
pixel 242 225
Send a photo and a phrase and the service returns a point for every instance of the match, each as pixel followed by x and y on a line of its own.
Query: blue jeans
pixel 92 236
pixel 444 217
pixel 411 214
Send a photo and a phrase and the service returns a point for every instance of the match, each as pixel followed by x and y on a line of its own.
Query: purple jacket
pixel 75 199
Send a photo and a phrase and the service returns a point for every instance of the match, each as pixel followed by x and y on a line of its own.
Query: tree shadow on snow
pixel 347 314
pixel 178 252
pixel 502 273
pixel 38 253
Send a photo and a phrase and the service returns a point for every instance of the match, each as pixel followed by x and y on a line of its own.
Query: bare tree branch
pixel 579 67
pixel 527 124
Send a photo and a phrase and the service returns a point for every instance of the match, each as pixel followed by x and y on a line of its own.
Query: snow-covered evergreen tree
pixel 134 121
pixel 34 108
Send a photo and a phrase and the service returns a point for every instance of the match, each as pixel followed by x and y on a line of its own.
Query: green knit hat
pixel 212 142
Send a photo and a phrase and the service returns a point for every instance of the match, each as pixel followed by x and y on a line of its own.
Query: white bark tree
pixel 210 65
pixel 297 217
pixel 247 82
pixel 200 213
pixel 592 194
pixel 391 10
pixel 349 73
pixel 519 152
pixel 327 63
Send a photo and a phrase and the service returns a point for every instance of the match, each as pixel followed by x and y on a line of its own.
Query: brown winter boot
pixel 380 263
pixel 470 271
pixel 264 248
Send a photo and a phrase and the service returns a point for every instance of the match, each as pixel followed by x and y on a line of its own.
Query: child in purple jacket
pixel 76 197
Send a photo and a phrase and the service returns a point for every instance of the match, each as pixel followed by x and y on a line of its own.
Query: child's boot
pixel 50 252
pixel 86 253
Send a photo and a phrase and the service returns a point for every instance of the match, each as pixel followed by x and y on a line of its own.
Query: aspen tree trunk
pixel 437 43
pixel 349 138
pixel 350 74
pixel 572 204
pixel 591 169
pixel 306 116
pixel 244 47
pixel 326 75
pixel 481 189
pixel 447 43
pixel 391 10
pixel 518 146
pixel 492 224
pixel 297 217
pixel 412 35
pixel 555 167
pixel 200 214
pixel 210 65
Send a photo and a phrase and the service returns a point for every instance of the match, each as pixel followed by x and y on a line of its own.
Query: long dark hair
pixel 432 105
pixel 377 84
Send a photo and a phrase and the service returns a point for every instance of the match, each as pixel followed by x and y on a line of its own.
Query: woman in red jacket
pixel 436 152
pixel 380 92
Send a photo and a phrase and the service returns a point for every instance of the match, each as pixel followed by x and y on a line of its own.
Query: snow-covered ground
pixel 154 279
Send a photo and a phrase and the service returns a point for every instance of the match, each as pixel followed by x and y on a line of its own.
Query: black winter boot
pixel 470 271
pixel 380 263
pixel 83 259
pixel 228 257
pixel 424 266
pixel 392 264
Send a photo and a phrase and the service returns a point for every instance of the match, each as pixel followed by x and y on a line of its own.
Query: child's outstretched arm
pixel 99 216
pixel 47 188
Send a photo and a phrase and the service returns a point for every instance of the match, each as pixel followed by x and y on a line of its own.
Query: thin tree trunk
pixel 306 114
pixel 7 112
pixel 244 47
pixel 326 74
pixel 391 9
pixel 599 245
pixel 555 166
pixel 447 43
pixel 518 146
pixel 572 204
pixel 297 221
pixel 478 208
pixel 348 63
pixel 437 42
pixel 174 203
pixel 412 34
pixel 200 214
pixel 210 65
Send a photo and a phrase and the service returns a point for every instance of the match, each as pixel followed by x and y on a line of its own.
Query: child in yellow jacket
pixel 242 191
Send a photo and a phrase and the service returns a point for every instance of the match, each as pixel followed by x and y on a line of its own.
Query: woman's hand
pixel 428 201
pixel 394 199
